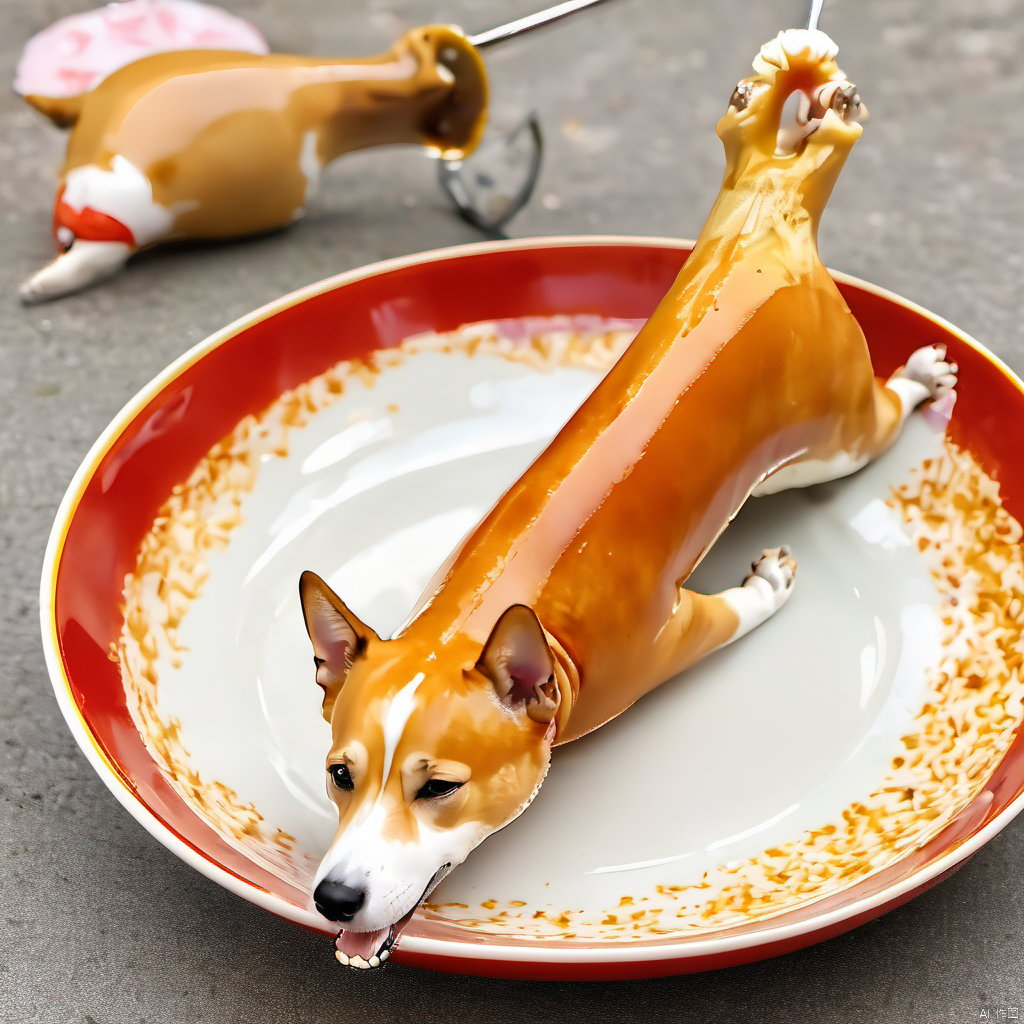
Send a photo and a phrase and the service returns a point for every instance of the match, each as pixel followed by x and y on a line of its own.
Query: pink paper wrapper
pixel 76 53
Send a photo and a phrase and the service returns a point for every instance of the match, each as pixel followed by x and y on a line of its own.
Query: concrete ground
pixel 99 923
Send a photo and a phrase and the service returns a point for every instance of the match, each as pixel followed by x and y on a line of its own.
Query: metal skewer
pixel 814 13
pixel 530 22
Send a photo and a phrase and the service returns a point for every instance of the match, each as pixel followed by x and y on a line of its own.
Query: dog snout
pixel 337 901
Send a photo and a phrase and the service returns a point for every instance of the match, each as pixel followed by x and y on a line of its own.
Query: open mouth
pixel 364 950
pixel 368 949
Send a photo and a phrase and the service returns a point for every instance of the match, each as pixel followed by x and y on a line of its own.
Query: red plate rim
pixel 538 961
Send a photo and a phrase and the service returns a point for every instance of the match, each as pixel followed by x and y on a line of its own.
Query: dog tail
pixel 63 111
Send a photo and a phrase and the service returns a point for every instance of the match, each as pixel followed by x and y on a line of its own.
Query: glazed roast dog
pixel 214 144
pixel 567 603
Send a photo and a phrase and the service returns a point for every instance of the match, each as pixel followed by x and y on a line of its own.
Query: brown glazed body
pixel 751 361
pixel 220 135
pixel 568 602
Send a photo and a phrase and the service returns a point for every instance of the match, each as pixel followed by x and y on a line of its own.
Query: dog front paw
pixel 929 367
pixel 773 575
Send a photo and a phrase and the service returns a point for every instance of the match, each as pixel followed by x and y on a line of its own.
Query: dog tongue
pixel 364 944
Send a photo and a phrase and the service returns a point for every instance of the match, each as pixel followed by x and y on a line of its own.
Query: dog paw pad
pixel 929 367
pixel 777 568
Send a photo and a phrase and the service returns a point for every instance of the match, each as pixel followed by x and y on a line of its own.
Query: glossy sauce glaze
pixel 728 381
pixel 232 143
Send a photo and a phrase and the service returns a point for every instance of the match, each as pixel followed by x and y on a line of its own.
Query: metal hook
pixel 490 187
pixel 814 13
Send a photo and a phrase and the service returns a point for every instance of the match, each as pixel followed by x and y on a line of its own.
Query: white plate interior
pixel 762 741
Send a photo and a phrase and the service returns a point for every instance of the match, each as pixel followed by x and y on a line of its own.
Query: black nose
pixel 337 901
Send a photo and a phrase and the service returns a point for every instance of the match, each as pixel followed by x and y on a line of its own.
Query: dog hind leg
pixel 926 375
pixel 82 265
pixel 703 623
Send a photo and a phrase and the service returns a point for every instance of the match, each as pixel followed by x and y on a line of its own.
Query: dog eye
pixel 342 777
pixel 433 788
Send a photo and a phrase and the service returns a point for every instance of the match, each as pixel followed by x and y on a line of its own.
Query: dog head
pixel 434 747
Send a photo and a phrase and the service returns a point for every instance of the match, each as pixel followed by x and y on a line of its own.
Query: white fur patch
pixel 927 374
pixel 395 721
pixel 123 192
pixel 807 472
pixel 763 593
pixel 309 162
pixel 394 875
pixel 792 42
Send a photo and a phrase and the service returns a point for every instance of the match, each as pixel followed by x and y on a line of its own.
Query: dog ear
pixel 519 662
pixel 338 636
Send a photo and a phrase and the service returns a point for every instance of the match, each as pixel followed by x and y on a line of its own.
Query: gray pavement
pixel 99 923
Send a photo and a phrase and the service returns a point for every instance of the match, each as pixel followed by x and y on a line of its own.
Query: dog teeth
pixel 359 962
